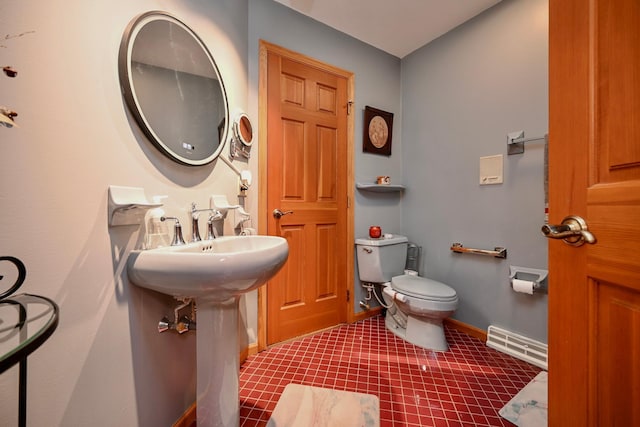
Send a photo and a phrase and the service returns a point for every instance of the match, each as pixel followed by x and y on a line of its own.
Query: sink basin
pixel 209 270
pixel 215 273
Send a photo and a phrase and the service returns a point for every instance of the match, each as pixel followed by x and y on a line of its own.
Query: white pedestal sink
pixel 215 273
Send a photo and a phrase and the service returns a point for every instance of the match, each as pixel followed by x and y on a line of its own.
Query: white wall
pixel 105 365
pixel 461 95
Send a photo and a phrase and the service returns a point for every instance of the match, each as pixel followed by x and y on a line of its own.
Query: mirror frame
pixel 239 125
pixel 239 145
pixel 128 90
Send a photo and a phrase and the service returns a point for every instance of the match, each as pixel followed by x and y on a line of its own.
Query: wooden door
pixel 594 151
pixel 308 165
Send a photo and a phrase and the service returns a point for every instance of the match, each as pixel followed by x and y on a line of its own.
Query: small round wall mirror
pixel 173 88
pixel 242 136
pixel 242 130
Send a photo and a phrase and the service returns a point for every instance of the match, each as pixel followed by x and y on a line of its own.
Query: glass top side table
pixel 26 322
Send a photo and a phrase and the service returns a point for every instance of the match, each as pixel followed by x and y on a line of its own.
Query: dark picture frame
pixel 377 132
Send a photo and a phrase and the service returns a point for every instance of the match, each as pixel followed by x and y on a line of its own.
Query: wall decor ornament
pixel 7 115
pixel 378 127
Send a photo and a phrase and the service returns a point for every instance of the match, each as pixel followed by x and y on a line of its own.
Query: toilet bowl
pixel 416 305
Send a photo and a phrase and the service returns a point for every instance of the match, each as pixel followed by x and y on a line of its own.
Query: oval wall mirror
pixel 173 88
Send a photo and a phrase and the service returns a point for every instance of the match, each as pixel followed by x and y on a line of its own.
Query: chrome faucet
pixel 195 216
pixel 195 230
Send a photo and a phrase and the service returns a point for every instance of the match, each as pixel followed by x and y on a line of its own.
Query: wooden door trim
pixel 265 48
pixel 570 91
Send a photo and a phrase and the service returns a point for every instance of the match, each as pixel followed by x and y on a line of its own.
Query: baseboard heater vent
pixel 523 348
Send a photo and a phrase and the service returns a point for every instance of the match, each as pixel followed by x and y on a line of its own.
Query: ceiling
pixel 397 27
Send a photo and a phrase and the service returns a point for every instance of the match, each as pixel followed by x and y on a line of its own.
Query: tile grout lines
pixel 416 387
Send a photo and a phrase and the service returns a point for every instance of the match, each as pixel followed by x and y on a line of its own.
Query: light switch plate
pixel 491 170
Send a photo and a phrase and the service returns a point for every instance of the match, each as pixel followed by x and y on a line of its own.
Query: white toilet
pixel 417 305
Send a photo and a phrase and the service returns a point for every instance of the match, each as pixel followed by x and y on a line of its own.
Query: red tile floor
pixel 465 386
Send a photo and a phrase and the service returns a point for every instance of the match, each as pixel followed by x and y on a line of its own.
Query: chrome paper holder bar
pixel 497 252
pixel 537 276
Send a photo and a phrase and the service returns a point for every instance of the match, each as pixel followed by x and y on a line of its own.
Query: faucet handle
pixel 215 215
pixel 212 233
pixel 177 231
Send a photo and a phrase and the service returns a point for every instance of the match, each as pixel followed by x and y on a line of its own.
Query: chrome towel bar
pixel 498 252
pixel 516 141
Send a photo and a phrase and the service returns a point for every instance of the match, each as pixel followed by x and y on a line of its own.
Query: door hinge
pixel 348 295
pixel 348 202
pixel 349 105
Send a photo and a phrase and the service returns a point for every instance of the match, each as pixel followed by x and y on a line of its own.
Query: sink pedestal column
pixel 218 364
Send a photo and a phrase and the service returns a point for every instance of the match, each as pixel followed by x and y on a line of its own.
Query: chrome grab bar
pixel 498 252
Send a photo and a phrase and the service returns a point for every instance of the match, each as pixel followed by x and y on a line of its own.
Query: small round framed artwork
pixel 378 127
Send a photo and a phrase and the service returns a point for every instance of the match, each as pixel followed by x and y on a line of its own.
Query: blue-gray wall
pixel 461 95
pixel 377 84
pixel 454 101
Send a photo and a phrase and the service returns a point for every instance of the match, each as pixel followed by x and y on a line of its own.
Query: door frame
pixel 265 48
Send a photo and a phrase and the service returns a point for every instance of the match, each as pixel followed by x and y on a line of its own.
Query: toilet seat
pixel 423 304
pixel 423 288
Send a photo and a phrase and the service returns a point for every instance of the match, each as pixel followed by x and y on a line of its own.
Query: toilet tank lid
pixel 383 241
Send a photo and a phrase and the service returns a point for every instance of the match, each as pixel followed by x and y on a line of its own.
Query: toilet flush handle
pixel 367 250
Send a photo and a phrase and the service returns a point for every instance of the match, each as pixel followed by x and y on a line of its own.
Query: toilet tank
pixel 381 259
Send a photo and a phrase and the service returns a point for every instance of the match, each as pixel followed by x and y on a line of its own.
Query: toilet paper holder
pixel 537 276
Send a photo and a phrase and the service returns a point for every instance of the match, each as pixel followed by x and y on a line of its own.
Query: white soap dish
pixel 221 203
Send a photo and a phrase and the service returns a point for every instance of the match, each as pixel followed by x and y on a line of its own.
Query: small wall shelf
pixel 128 205
pixel 380 188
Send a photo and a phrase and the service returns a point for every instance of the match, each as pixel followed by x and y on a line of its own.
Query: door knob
pixel 277 213
pixel 573 231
